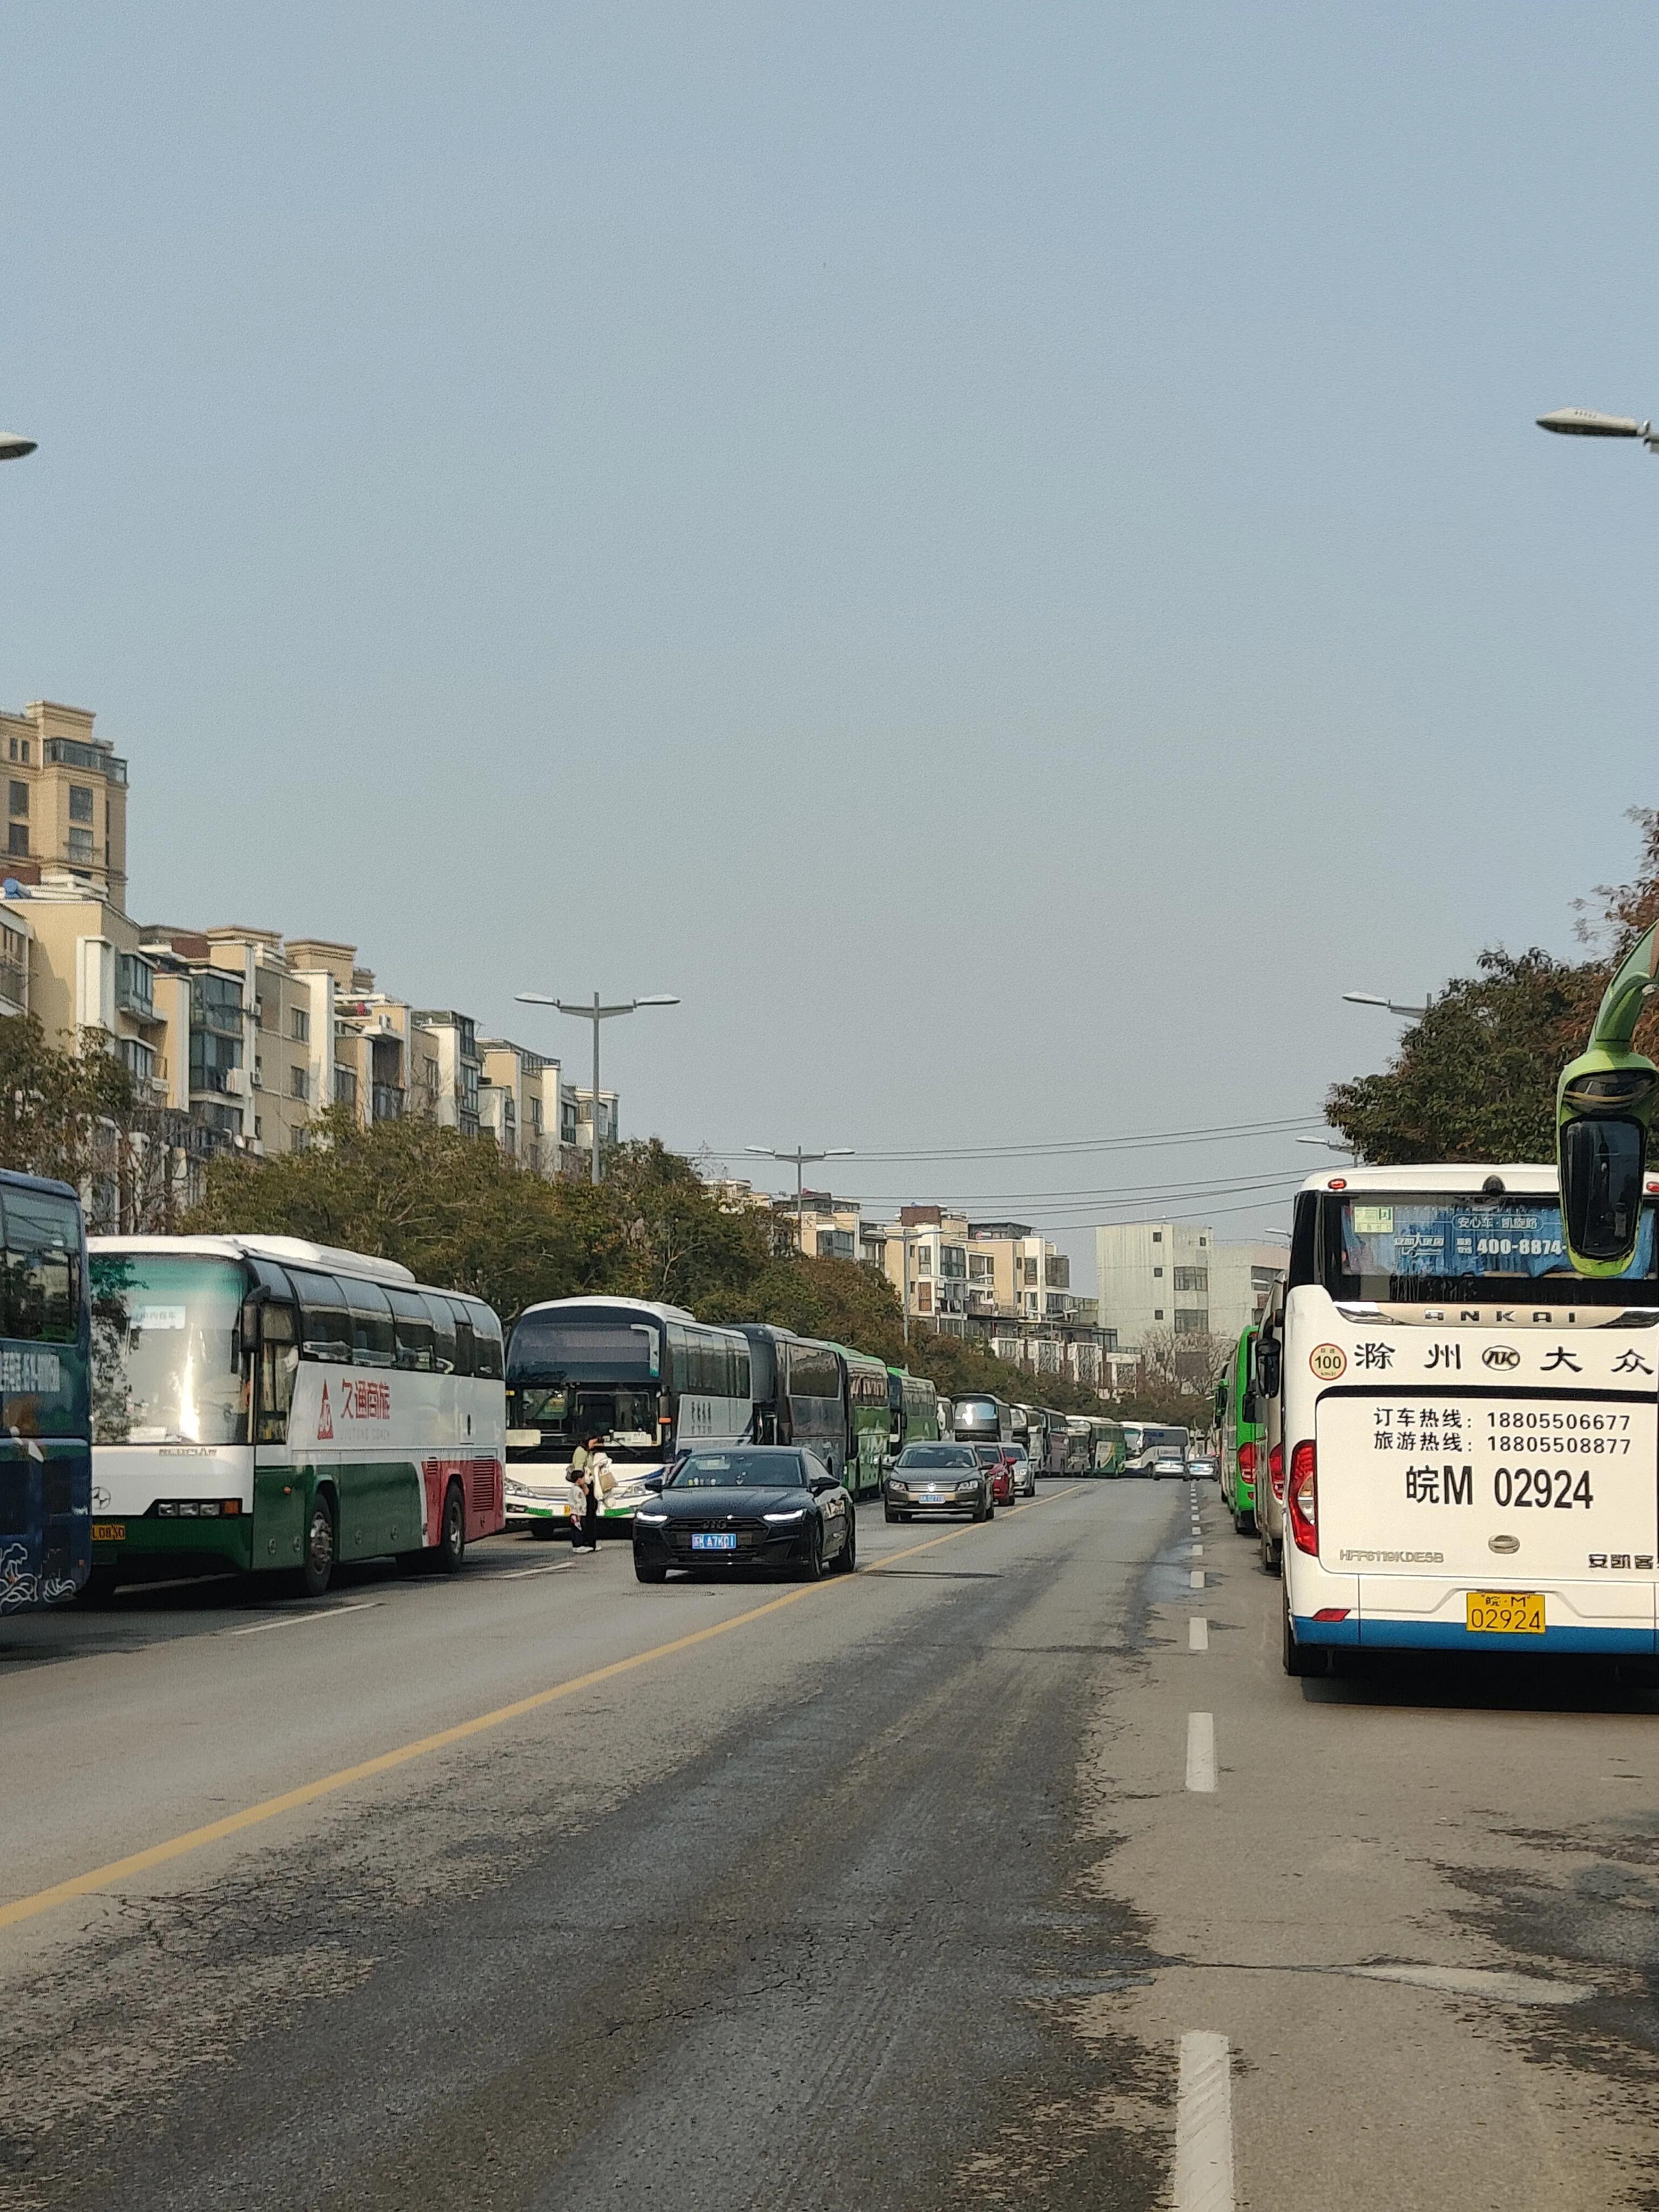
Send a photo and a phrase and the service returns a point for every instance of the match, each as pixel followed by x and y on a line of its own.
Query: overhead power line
pixel 1221 1132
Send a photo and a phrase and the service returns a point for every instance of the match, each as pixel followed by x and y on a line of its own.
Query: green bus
pixel 912 1411
pixel 1242 1436
pixel 869 1419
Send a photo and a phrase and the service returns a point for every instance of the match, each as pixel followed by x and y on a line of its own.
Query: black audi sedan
pixel 747 1505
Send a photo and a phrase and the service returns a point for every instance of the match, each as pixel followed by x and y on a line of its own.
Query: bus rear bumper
pixel 1384 1635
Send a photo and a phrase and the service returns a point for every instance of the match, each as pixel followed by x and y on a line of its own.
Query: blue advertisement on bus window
pixel 1440 1236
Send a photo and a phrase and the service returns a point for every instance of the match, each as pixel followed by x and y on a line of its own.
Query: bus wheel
pixel 450 1548
pixel 544 1531
pixel 312 1577
pixel 1304 1658
pixel 98 1587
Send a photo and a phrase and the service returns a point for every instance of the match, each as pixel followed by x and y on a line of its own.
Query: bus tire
pixel 450 1551
pixel 311 1579
pixel 543 1532
pixel 98 1587
pixel 1303 1659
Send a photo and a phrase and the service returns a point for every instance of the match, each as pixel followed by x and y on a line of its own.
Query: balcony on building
pixel 135 986
pixel 92 759
pixel 14 969
pixel 386 1102
pixel 345 1087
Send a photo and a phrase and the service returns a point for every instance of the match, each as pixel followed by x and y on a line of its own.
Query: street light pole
pixel 596 1013
pixel 801 1159
pixel 1585 423
pixel 1370 998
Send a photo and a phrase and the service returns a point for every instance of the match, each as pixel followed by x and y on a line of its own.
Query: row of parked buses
pixel 653 1382
pixel 1441 1436
pixel 273 1406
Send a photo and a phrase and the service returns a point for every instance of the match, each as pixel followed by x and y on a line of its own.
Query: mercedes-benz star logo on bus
pixel 1500 1355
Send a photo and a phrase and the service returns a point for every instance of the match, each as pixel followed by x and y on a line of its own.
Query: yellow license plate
pixel 1504 1612
pixel 109 1532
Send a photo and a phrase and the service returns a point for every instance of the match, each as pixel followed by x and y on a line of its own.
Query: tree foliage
pixel 457 1211
pixel 1475 1078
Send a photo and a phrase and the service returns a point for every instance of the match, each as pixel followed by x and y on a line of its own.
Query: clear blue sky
pixel 1000 552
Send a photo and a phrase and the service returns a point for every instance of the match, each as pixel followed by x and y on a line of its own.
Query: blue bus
pixel 45 1383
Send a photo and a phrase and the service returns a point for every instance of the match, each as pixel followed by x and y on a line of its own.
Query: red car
pixel 1000 1460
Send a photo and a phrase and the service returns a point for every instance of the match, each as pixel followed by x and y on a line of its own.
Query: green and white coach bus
pixel 275 1406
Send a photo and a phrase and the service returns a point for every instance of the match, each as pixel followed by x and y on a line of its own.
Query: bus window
pixel 372 1341
pixel 412 1325
pixel 324 1325
pixel 43 1266
pixel 279 1357
pixel 464 1350
pixel 486 1343
pixel 813 1373
pixel 443 1330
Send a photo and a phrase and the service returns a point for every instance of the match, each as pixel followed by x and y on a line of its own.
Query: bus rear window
pixel 1394 1248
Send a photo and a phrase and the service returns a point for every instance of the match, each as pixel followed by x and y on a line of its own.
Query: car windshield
pixel 740 1470
pixel 987 1455
pixel 936 1456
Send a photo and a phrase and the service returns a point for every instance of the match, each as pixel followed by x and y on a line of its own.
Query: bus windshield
pixel 573 1376
pixel 1375 1246
pixel 167 1363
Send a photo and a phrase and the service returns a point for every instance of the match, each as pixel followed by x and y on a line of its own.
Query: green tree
pixel 1474 1080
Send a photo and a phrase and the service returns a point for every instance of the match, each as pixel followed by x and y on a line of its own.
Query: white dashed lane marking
pixel 1203 2179
pixel 1196 1578
pixel 1198 1634
pixel 1201 1751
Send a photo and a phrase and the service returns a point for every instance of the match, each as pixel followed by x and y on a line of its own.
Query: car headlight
pixel 800 1514
pixel 645 1514
pixel 897 1482
pixel 972 1483
pixel 629 1497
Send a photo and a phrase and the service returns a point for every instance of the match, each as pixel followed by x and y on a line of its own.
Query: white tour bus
pixel 1468 1428
pixel 264 1403
pixel 649 1379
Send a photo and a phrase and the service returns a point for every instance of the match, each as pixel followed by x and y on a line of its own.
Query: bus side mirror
pixel 1602 1118
pixel 1252 1406
pixel 1267 1369
pixel 1603 1161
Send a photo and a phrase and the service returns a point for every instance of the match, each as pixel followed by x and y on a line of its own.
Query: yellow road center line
pixel 290 1800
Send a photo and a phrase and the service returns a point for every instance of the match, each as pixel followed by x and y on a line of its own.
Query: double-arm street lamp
pixel 801 1159
pixel 596 1013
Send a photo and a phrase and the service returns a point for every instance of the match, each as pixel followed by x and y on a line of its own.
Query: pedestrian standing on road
pixel 585 1533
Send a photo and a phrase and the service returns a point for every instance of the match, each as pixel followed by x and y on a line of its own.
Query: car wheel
pixel 846 1562
pixel 891 1515
pixel 811 1567
pixel 311 1579
pixel 647 1573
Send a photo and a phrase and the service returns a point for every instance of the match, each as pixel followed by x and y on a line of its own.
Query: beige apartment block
pixel 66 797
pixel 87 975
pixel 276 1041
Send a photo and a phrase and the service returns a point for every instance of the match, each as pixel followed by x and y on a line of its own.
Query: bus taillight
pixel 1276 1471
pixel 1302 1504
pixel 1247 1459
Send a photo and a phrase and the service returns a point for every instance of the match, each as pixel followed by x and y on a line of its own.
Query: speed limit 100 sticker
pixel 1328 1361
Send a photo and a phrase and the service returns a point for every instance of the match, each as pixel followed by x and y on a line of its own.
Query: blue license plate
pixel 717 1542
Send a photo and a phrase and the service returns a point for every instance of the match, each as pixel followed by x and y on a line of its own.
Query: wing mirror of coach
pixel 1267 1367
pixel 1604 1107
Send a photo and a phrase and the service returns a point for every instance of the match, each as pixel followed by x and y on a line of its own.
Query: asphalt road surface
pixel 1012 1871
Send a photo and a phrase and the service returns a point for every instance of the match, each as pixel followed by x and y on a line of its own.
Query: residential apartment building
pixel 1242 1279
pixel 452 1040
pixel 66 799
pixel 1169 1276
pixel 87 975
